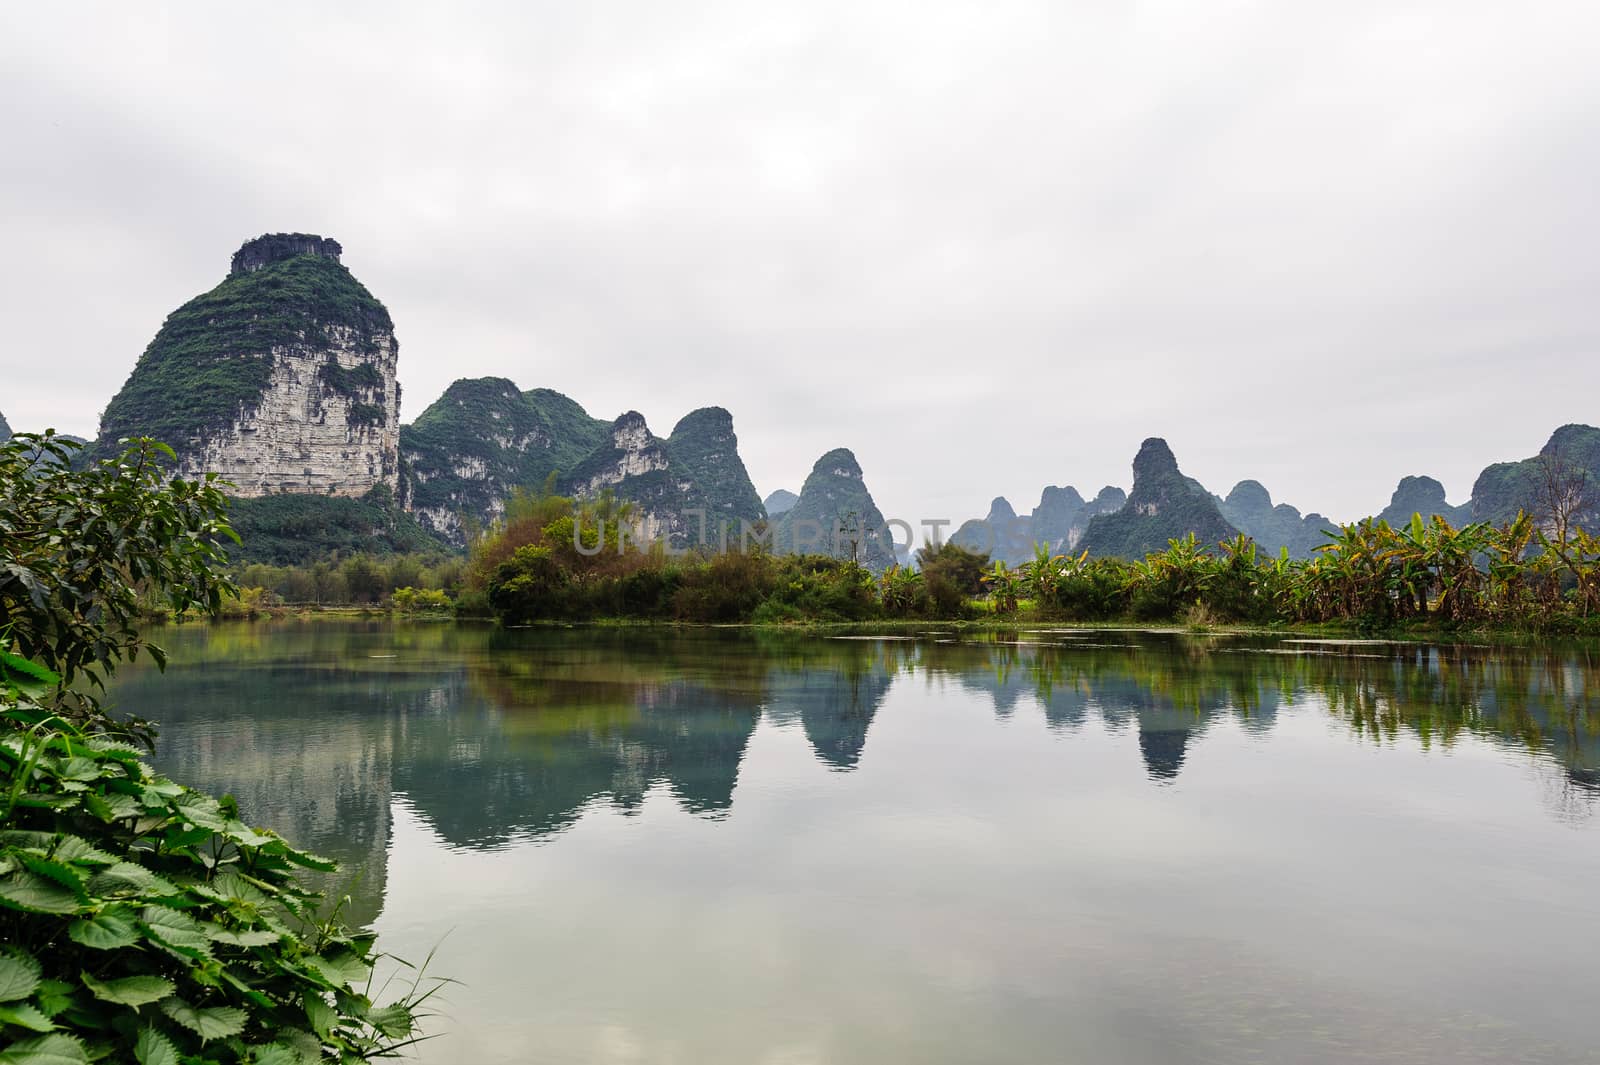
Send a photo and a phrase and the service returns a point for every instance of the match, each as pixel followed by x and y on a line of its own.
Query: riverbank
pixel 1566 634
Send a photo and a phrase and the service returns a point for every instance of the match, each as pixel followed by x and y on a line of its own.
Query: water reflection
pixel 764 846
pixel 497 736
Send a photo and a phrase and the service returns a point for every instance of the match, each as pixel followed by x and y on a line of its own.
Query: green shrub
pixel 420 600
pixel 145 922
pixel 530 586
pixel 140 920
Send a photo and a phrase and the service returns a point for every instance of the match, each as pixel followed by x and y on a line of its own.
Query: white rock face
pixel 639 453
pixel 306 434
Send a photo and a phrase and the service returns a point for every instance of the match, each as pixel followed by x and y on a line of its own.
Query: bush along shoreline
pixel 555 559
pixel 141 920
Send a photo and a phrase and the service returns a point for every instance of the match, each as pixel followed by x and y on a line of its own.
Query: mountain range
pixel 283 378
pixel 1166 505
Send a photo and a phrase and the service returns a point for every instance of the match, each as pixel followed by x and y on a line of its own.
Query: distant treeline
pixel 556 559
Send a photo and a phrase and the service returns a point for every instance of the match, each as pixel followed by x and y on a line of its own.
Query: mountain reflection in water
pixel 495 735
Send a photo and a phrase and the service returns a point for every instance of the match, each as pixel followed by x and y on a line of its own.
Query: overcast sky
pixel 987 246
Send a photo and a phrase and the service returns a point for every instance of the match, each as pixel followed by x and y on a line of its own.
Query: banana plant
pixel 1004 586
pixel 1043 575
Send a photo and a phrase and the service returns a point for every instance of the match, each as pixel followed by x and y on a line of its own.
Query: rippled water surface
pixel 1098 847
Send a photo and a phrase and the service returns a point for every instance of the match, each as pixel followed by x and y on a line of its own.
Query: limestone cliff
pixel 1164 505
pixel 632 463
pixel 483 439
pixel 835 515
pixel 281 379
pixel 705 451
pixel 5 429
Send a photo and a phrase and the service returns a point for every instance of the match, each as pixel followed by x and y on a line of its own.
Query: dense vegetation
pixel 142 921
pixel 556 560
pixel 295 527
pixel 212 356
pixel 544 577
pixel 407 581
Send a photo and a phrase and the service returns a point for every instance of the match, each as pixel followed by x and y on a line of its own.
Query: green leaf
pixel 201 810
pixel 306 1045
pixel 176 931
pixel 80 851
pixel 80 768
pixel 242 937
pixel 26 1015
pixel 117 749
pixel 245 836
pixel 112 807
pixel 153 1048
pixel 184 838
pixel 132 991
pixel 128 879
pixel 394 1021
pixel 273 1054
pixel 60 872
pixel 217 1023
pixel 310 861
pixel 110 929
pixel 341 969
pixel 19 974
pixel 321 1015
pixel 29 678
pixel 54 997
pixel 233 888
pixel 45 1050
pixel 24 890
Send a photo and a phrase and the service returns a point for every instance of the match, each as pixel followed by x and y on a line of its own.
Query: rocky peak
pixel 1425 496
pixel 1001 510
pixel 1575 445
pixel 1155 460
pixel 835 505
pixel 1250 497
pixel 840 462
pixel 272 248
pixel 1108 499
pixel 714 423
pixel 1059 498
pixel 629 433
pixel 282 378
pixel 1419 494
pixel 1164 505
pixel 780 502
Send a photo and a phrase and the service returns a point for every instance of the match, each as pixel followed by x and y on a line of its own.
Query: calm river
pixel 1102 847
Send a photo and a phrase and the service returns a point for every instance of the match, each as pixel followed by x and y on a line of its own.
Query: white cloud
pixel 987 247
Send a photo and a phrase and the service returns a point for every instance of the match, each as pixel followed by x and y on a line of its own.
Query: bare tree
pixel 1564 497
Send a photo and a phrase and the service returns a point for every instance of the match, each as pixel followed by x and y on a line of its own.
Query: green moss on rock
pixel 212 356
pixel 1164 505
